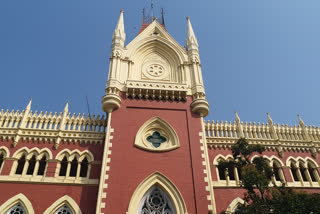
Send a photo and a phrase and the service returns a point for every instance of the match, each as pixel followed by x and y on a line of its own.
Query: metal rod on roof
pixel 88 106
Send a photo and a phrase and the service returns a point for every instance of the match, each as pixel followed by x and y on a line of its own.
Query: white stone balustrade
pixel 52 127
pixel 279 137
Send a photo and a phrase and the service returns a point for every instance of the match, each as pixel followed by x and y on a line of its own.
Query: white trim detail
pixel 20 198
pixel 234 204
pixel 64 200
pixel 166 185
pixel 165 130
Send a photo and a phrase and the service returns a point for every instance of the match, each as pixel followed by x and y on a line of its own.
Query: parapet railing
pixel 279 137
pixel 64 126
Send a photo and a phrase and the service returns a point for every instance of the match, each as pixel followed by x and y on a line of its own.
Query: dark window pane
pixel 63 167
pixel 1 160
pixel 20 166
pixel 276 171
pixel 231 173
pixel 32 164
pixel 84 168
pixel 222 175
pixel 311 172
pixel 294 172
pixel 74 167
pixel 42 165
pixel 303 174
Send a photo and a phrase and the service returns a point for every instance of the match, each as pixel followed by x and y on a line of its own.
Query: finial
pixel 29 104
pixel 188 18
pixel 66 108
pixel 237 116
pixel 191 43
pixel 300 120
pixel 269 118
pixel 119 35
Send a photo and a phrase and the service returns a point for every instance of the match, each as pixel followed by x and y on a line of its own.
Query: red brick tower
pixel 155 154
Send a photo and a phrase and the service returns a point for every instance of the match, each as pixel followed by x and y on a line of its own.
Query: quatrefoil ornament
pixel 156 139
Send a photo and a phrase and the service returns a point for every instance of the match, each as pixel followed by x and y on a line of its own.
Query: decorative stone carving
pixel 16 209
pixel 156 201
pixel 155 67
pixel 156 135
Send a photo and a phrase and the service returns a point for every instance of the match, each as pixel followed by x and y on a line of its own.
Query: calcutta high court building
pixel 152 152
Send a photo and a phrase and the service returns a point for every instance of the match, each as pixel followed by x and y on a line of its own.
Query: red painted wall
pixel 130 165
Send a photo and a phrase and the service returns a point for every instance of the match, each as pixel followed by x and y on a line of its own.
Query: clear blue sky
pixel 257 56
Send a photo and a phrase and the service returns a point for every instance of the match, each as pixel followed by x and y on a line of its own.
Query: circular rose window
pixel 155 70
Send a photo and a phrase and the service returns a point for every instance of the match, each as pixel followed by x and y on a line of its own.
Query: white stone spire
pixel 29 105
pixel 119 35
pixel 192 42
pixel 66 107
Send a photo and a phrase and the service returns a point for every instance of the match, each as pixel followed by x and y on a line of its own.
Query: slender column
pixel 68 169
pixel 78 170
pixel 36 168
pixel 25 168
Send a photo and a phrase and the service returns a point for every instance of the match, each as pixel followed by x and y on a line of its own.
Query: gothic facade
pixel 153 152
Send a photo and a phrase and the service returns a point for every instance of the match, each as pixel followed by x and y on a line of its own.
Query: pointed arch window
pixel 16 209
pixel 156 201
pixel 21 163
pixel 63 166
pixel 84 168
pixel 32 164
pixel 312 171
pixel 74 167
pixel 303 172
pixel 64 210
pixel 42 165
pixel 294 172
pixel 1 159
pixel 276 171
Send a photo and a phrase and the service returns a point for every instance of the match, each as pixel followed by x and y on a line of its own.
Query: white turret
pixel 199 104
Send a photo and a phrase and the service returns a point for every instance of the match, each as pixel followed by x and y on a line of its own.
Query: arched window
pixel 294 172
pixel 277 171
pixel 42 165
pixel 74 167
pixel 1 159
pixel 32 164
pixel 63 166
pixel 231 173
pixel 74 164
pixel 156 201
pixel 64 210
pixel 20 166
pixel 222 172
pixel 84 168
pixel 314 176
pixel 303 172
pixel 16 209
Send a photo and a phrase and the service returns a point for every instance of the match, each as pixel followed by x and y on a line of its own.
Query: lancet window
pixel 278 175
pixel 31 163
pixel 3 155
pixel 156 201
pixel 16 209
pixel 64 210
pixel 1 159
pixel 74 165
